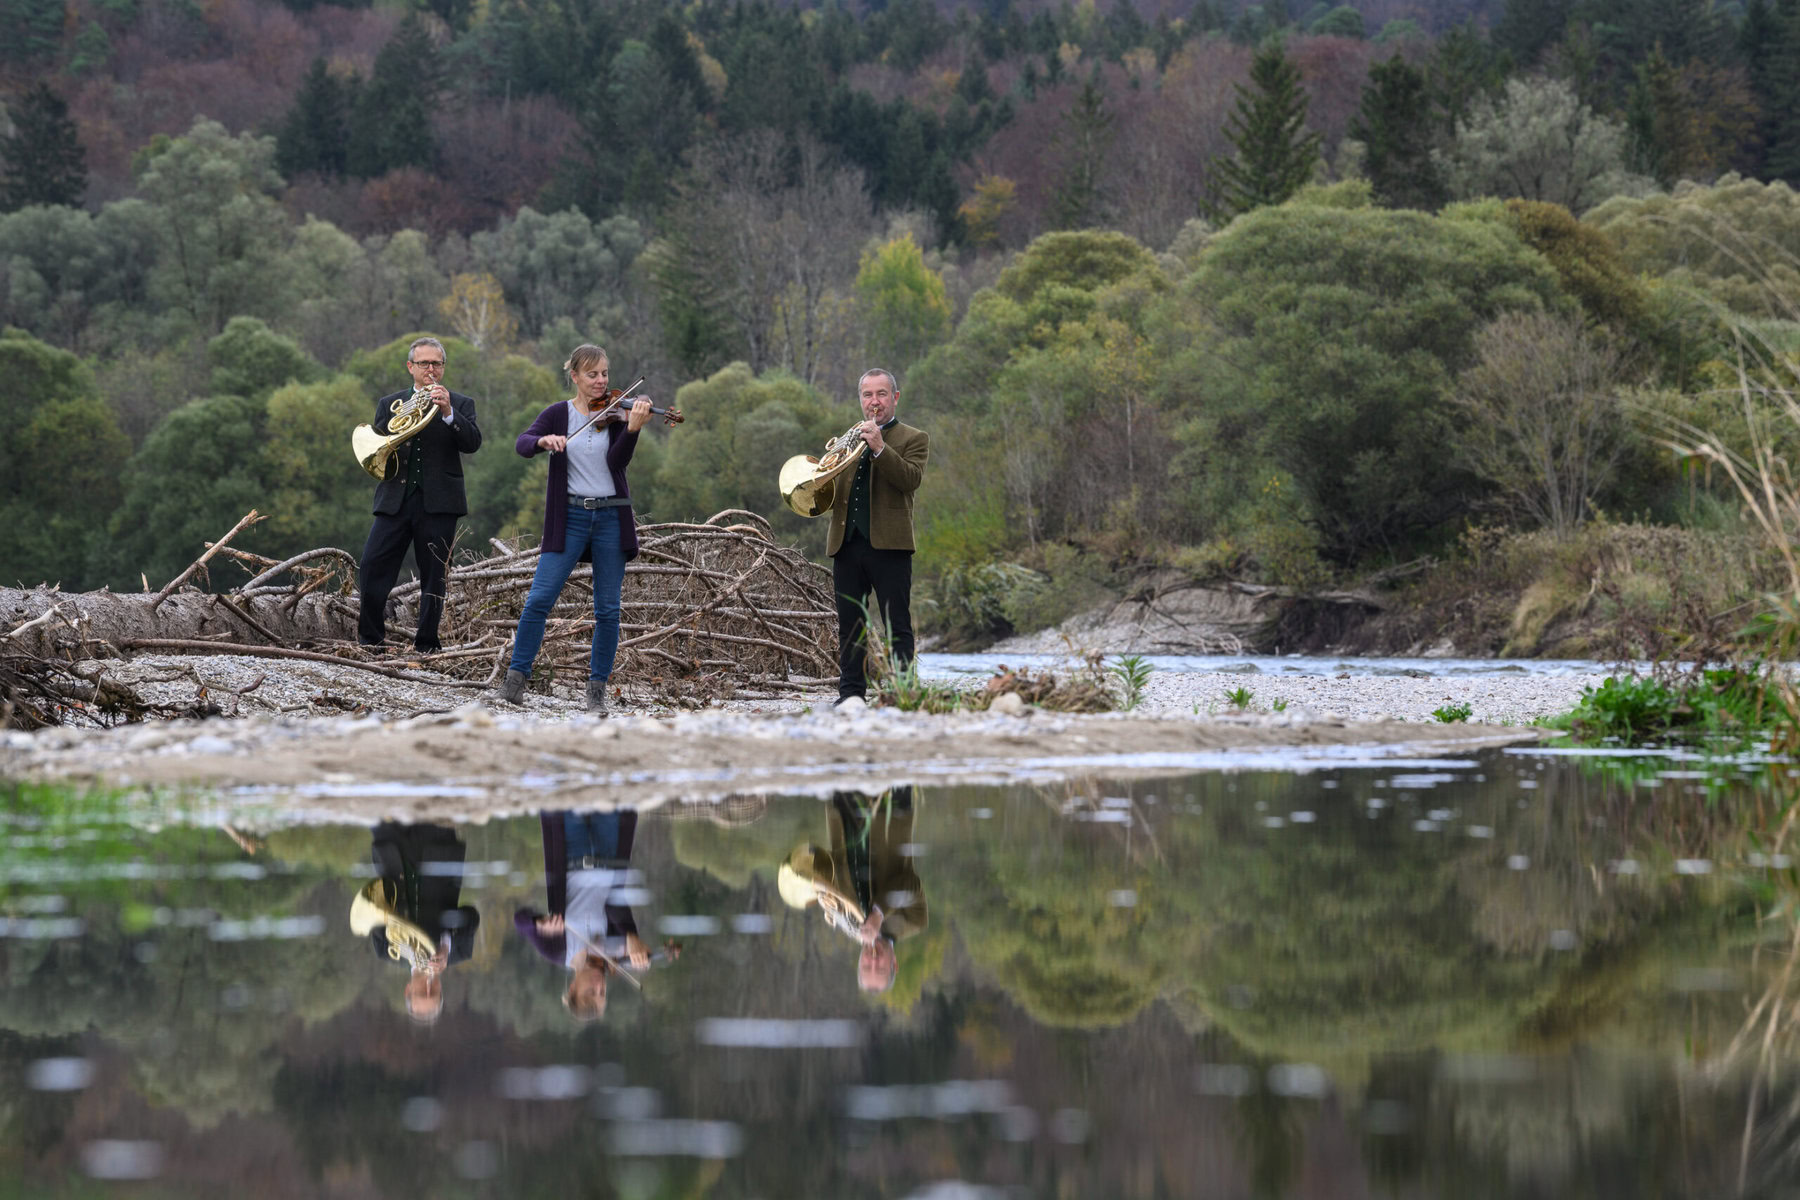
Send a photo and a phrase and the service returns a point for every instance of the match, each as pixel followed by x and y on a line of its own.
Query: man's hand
pixel 871 926
pixel 871 433
pixel 550 925
pixel 440 396
pixel 636 951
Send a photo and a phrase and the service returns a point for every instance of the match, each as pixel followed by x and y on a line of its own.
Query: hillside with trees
pixel 1299 295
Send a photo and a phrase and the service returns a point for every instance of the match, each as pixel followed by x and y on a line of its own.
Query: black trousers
pixel 429 535
pixel 857 570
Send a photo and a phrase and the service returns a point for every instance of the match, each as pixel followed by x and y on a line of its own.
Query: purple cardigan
pixel 555 419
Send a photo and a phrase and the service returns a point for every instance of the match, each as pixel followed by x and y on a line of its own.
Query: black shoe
pixel 838 703
pixel 431 649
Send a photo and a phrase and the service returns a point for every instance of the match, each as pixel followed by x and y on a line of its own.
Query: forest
pixel 1296 294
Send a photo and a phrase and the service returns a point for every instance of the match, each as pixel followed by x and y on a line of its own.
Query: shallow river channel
pixel 1511 974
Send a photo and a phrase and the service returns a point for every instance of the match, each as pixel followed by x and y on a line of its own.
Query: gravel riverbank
pixel 417 748
pixel 1494 699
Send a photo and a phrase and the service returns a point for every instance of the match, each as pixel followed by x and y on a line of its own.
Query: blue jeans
pixel 597 530
pixel 591 835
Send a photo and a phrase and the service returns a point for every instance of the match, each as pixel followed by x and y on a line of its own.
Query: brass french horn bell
pixel 409 414
pixel 809 485
pixel 375 905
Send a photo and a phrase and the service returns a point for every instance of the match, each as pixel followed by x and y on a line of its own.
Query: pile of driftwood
pixel 711 610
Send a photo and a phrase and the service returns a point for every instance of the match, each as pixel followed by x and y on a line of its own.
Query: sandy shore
pixel 417 748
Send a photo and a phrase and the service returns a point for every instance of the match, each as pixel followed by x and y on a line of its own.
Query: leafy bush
pixel 1450 713
pixel 1726 702
pixel 968 605
pixel 1073 582
pixel 1133 672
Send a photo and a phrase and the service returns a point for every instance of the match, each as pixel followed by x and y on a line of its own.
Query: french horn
pixel 407 416
pixel 809 485
pixel 376 905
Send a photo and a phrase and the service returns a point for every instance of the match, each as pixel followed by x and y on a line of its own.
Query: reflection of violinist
pixel 410 913
pixel 589 927
pixel 587 516
pixel 866 885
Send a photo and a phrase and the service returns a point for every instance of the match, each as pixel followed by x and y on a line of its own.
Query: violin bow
pixel 611 404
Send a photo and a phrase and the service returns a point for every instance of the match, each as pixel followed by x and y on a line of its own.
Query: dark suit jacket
pixel 893 479
pixel 433 856
pixel 443 447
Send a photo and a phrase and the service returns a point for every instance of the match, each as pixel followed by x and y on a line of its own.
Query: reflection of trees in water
pixel 1332 941
pixel 199 1021
pixel 1341 942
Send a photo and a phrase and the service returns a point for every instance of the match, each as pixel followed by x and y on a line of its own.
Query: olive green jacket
pixel 893 477
pixel 892 877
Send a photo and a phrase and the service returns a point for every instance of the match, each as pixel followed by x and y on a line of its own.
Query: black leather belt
pixel 600 501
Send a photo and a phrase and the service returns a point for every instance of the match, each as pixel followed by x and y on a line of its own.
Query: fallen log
pixel 719 606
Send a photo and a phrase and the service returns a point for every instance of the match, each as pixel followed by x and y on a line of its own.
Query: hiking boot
pixel 512 688
pixel 596 696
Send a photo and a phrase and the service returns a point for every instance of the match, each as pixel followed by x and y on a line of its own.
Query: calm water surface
pixel 1513 976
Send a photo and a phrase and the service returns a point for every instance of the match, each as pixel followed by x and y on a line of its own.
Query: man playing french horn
pixel 871 538
pixel 418 501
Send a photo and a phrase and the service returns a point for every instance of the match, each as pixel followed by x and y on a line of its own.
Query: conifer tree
pixel 1084 139
pixel 1395 125
pixel 315 134
pixel 41 161
pixel 1771 46
pixel 1275 152
pixel 1665 135
pixel 392 118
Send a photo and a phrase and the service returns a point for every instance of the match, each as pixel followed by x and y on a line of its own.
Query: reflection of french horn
pixel 375 906
pixel 408 415
pixel 806 879
pixel 809 485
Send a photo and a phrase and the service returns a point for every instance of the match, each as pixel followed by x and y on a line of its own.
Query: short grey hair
pixel 877 371
pixel 426 341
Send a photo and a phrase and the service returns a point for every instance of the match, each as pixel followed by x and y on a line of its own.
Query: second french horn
pixel 809 484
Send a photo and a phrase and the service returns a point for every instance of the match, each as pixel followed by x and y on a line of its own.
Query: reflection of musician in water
pixel 589 927
pixel 866 884
pixel 410 913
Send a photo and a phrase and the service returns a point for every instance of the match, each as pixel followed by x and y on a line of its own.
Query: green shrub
pixel 1450 713
pixel 1073 581
pixel 1133 672
pixel 1730 703
pixel 968 605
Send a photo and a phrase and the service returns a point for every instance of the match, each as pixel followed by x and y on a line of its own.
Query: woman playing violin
pixel 587 515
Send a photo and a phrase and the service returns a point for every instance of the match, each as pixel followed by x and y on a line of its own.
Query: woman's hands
pixel 556 443
pixel 640 413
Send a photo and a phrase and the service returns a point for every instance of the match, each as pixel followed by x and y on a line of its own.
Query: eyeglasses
pixel 429 364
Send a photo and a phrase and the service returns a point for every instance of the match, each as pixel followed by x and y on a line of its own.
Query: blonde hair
pixel 582 1003
pixel 583 357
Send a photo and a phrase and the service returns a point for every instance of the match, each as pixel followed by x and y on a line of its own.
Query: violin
pixel 617 407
